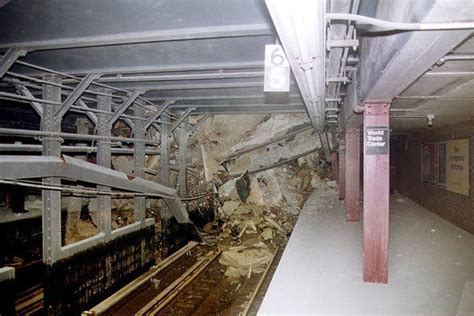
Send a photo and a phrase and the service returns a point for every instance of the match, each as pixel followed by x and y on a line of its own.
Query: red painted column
pixel 376 191
pixel 342 169
pixel 352 174
pixel 334 166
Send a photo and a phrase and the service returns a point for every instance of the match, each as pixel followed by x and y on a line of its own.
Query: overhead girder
pixel 144 37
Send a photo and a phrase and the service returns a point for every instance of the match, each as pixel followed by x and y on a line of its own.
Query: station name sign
pixel 376 140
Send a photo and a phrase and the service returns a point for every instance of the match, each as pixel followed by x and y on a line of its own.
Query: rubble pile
pixel 257 171
pixel 258 198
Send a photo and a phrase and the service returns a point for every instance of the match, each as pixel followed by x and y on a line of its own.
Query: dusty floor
pixel 431 264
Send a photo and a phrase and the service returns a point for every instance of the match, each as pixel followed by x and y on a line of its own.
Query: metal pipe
pixel 431 97
pixel 17 75
pixel 15 97
pixel 342 65
pixel 68 75
pixel 93 83
pixel 172 77
pixel 449 73
pixel 33 133
pixel 19 97
pixel 223 97
pixel 33 86
pixel 68 149
pixel 185 106
pixel 389 25
pixel 76 190
pixel 458 57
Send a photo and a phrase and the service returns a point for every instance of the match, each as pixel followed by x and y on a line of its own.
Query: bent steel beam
pixel 23 167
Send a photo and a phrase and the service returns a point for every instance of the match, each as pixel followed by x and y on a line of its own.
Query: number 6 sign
pixel 277 70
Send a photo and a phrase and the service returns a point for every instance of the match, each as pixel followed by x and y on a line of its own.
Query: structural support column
pixel 376 191
pixel 104 103
pixel 352 187
pixel 51 199
pixel 342 169
pixel 139 202
pixel 164 168
pixel 334 166
pixel 182 160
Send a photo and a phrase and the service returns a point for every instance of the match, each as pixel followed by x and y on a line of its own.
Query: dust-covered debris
pixel 261 207
pixel 243 260
pixel 229 207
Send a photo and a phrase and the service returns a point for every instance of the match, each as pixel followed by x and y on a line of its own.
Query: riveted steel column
pixel 334 166
pixel 104 103
pixel 164 167
pixel 342 169
pixel 139 202
pixel 51 199
pixel 376 191
pixel 182 160
pixel 352 171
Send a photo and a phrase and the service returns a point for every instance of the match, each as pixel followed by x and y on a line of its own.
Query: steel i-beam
pixel 26 167
pixel 51 199
pixel 76 94
pixel 127 103
pixel 342 169
pixel 139 202
pixel 164 165
pixel 181 119
pixel 9 59
pixel 157 114
pixel 334 165
pixel 352 170
pixel 104 103
pixel 182 159
pixel 23 90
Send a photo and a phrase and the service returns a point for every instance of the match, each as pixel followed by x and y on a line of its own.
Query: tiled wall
pixel 456 208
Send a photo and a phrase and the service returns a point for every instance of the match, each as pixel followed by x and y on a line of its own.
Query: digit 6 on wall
pixel 277 70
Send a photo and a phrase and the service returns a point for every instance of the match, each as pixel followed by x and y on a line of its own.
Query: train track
pixel 167 295
pixel 190 282
pixel 30 304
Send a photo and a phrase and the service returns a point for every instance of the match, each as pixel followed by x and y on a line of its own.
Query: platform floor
pixel 431 265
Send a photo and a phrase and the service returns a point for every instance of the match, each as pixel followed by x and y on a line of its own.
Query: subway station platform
pixel 431 264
